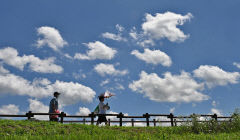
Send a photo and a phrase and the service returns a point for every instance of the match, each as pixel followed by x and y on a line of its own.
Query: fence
pixel 173 120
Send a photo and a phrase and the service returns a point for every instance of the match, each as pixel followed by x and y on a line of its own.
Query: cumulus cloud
pixel 170 88
pixel 236 64
pixel 3 70
pixel 109 69
pixel 164 25
pixel 116 37
pixel 83 111
pixel 40 88
pixel 120 28
pixel 214 76
pixel 112 36
pixel 154 57
pixel 9 109
pixel 50 37
pixel 104 82
pixel 10 56
pixel 146 42
pixel 216 111
pixel 73 92
pixel 38 107
pixel 133 33
pixel 98 50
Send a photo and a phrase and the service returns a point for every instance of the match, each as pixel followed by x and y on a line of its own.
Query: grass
pixel 43 130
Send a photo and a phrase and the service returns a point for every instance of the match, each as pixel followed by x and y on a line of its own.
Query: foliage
pixel 41 130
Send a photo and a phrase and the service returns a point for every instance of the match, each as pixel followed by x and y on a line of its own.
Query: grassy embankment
pixel 42 130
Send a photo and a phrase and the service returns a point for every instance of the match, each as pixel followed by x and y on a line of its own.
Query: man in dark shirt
pixel 53 107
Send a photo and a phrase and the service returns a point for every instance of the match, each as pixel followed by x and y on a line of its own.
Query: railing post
pixel 120 116
pixel 62 115
pixel 147 118
pixel 154 122
pixel 132 122
pixel 29 115
pixel 84 121
pixel 109 121
pixel 92 118
pixel 175 122
pixel 214 116
pixel 171 118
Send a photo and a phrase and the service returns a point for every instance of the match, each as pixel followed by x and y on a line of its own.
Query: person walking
pixel 53 107
pixel 102 108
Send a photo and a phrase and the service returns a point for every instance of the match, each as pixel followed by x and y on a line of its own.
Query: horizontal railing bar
pixel 76 116
pixel 46 113
pixel 166 115
pixel 13 116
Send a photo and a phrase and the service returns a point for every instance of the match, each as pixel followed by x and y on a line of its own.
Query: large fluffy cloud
pixel 38 107
pixel 214 76
pixel 153 57
pixel 9 109
pixel 170 88
pixel 10 56
pixel 39 88
pixel 109 69
pixel 164 25
pixel 98 50
pixel 50 37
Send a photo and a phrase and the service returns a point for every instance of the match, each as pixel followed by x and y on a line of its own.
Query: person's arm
pixel 106 107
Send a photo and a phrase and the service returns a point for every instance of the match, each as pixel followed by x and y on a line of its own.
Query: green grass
pixel 43 130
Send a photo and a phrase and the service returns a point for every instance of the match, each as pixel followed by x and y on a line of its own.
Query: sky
pixel 156 56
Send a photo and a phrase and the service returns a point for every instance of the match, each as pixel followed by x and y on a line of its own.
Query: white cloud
pixel 50 37
pixel 71 92
pixel 170 88
pixel 3 70
pixel 146 43
pixel 153 57
pixel 104 82
pixel 112 36
pixel 83 111
pixel 116 37
pixel 98 50
pixel 38 107
pixel 164 25
pixel 216 111
pixel 133 33
pixel 108 69
pixel 9 109
pixel 160 120
pixel 236 64
pixel 120 28
pixel 119 86
pixel 78 76
pixel 215 76
pixel 10 56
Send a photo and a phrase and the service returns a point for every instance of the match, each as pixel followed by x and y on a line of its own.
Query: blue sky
pixel 157 56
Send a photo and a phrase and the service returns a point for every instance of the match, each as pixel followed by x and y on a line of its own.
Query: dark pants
pixel 54 119
pixel 101 118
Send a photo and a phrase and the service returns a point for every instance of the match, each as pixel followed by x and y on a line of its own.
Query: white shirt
pixel 103 108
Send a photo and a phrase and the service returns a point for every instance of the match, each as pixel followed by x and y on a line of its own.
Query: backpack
pixel 96 110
